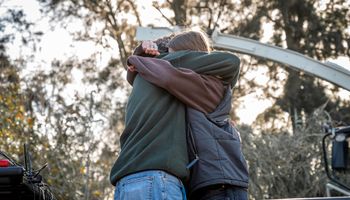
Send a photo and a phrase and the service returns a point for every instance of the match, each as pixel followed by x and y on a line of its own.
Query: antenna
pixel 27 161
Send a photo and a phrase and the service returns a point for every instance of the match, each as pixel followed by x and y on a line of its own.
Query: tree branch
pixel 132 4
pixel 115 28
pixel 221 8
pixel 165 17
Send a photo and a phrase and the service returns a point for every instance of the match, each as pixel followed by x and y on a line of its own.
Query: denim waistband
pixel 151 173
pixel 158 177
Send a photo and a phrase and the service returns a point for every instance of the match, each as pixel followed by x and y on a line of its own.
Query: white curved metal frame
pixel 328 71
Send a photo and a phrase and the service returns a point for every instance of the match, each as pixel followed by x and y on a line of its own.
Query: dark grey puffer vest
pixel 215 148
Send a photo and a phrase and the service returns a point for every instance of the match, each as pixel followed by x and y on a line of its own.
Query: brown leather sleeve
pixel 201 92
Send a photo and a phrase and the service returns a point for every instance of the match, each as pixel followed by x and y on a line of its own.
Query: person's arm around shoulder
pixel 201 92
pixel 223 65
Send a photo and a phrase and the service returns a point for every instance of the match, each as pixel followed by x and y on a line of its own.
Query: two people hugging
pixel 178 140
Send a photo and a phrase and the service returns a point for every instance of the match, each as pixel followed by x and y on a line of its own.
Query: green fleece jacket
pixel 154 137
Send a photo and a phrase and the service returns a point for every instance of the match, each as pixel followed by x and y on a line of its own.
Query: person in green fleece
pixel 153 158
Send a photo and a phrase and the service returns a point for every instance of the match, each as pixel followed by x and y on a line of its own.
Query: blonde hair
pixel 190 40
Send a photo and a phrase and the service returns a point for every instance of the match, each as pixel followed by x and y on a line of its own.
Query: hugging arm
pixel 201 92
pixel 140 51
pixel 222 65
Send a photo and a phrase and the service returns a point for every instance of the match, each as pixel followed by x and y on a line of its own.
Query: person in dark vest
pixel 214 143
pixel 153 157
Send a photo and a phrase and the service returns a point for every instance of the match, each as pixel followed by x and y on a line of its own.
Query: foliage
pixel 302 26
pixel 75 134
pixel 76 129
pixel 15 124
pixel 293 163
pixel 112 16
pixel 79 131
pixel 308 30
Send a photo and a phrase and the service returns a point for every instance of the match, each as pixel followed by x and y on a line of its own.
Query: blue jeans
pixel 221 193
pixel 151 185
